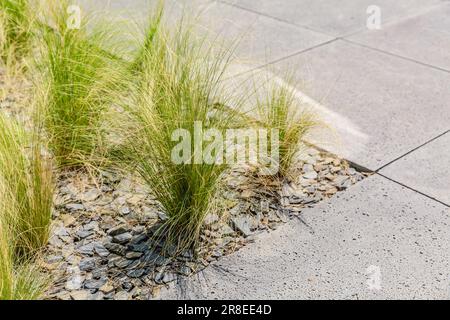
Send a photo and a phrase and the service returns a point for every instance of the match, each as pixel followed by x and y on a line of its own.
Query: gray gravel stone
pixel 109 296
pixel 136 273
pixel 107 288
pixel 163 216
pixel 116 248
pixel 185 271
pixel 101 250
pixel 169 277
pixel 302 200
pixel 122 238
pixel 226 230
pixel 141 247
pixel 74 207
pixel 127 285
pixel 75 281
pixel 125 210
pixel 111 177
pixel 310 175
pixel 138 230
pixel 87 264
pixel 90 195
pixel 80 295
pixel 155 259
pixel 63 295
pixel 342 182
pixel 54 259
pixel 91 226
pixel 99 273
pixel 211 219
pixel 94 284
pixel 60 231
pixel 118 230
pixel 133 255
pixel 138 239
pixel 243 224
pixel 164 278
pixel 122 263
pixel 82 234
pixel 87 249
pixel 149 213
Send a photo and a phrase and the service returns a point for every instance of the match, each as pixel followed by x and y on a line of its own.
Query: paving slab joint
pixel 411 151
pixel 395 55
pixel 272 17
pixel 412 189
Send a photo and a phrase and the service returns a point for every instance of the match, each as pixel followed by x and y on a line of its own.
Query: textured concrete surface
pixel 392 102
pixel 331 17
pixel 259 39
pixel 424 38
pixel 341 245
pixel 426 170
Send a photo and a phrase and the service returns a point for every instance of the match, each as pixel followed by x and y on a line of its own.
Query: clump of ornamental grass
pixel 176 82
pixel 26 193
pixel 26 175
pixel 278 108
pixel 78 78
pixel 15 29
pixel 20 279
pixel 16 23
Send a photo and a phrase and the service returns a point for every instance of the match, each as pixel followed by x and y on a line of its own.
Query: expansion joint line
pixel 396 55
pixel 411 151
pixel 415 190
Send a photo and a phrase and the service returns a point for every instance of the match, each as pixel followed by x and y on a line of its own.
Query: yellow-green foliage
pixel 176 78
pixel 279 109
pixel 25 209
pixel 76 81
pixel 15 29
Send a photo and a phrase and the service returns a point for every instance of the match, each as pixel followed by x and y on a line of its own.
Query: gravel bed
pixel 103 243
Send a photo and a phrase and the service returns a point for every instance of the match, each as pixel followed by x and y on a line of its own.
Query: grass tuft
pixel 176 82
pixel 78 77
pixel 278 108
pixel 26 193
pixel 15 29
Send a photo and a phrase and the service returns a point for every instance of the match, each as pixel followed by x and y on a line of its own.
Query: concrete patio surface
pixel 426 169
pixel 393 104
pixel 389 93
pixel 375 225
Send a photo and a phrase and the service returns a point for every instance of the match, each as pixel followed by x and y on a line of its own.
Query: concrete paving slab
pixel 259 39
pixel 390 105
pixel 331 17
pixel 426 170
pixel 139 10
pixel 425 38
pixel 377 230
